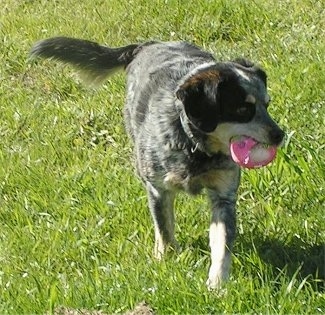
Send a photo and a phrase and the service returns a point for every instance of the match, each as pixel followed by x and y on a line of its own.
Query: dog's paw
pixel 158 255
pixel 161 249
pixel 214 284
pixel 218 275
pixel 217 287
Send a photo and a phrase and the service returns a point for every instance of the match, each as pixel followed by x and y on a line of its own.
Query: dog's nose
pixel 276 136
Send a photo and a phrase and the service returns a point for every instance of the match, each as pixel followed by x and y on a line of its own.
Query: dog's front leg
pixel 222 233
pixel 161 204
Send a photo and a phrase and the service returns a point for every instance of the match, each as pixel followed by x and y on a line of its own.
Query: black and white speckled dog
pixel 182 109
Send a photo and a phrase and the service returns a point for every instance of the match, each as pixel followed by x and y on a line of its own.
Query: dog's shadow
pixel 300 260
pixel 305 261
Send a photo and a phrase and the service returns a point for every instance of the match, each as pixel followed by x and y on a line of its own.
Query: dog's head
pixel 230 99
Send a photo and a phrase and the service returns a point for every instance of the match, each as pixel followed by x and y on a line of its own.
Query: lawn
pixel 75 230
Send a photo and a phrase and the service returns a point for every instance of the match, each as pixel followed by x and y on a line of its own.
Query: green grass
pixel 74 225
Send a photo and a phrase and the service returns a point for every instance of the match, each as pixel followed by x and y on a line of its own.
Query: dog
pixel 182 109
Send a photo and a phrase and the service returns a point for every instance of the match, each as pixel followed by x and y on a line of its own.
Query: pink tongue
pixel 249 153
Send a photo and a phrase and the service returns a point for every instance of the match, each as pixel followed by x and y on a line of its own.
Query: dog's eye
pixel 243 110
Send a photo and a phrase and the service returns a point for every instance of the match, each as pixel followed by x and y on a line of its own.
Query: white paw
pixel 218 274
pixel 214 283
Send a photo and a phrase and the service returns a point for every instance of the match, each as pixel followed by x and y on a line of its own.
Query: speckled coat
pixel 182 110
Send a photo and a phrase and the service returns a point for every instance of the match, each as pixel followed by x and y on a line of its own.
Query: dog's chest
pixel 212 173
pixel 192 184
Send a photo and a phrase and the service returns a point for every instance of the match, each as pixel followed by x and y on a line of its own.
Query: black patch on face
pixel 232 98
pixel 212 97
pixel 199 96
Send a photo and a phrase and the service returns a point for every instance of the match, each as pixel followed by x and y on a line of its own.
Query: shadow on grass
pixel 300 259
pixel 309 261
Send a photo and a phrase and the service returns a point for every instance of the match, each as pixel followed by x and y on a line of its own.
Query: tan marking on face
pixel 250 99
pixel 226 131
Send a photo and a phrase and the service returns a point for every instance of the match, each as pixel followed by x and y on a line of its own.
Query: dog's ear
pixel 199 97
pixel 244 62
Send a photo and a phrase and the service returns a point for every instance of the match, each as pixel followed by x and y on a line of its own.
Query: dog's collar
pixel 192 132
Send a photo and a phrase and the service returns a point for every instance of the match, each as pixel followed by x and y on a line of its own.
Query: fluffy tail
pixel 94 62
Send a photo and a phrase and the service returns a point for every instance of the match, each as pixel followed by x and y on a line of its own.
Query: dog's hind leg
pixel 161 204
pixel 222 234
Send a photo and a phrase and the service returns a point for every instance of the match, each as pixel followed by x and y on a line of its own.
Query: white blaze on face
pixel 242 74
pixel 201 67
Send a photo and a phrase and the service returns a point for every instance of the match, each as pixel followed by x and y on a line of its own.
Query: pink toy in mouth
pixel 249 153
